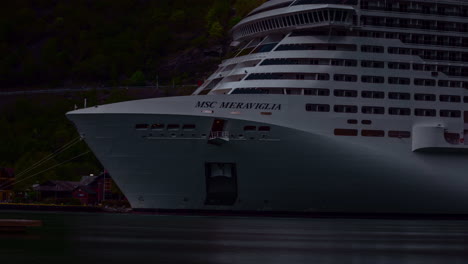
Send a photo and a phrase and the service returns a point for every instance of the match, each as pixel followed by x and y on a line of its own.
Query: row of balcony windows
pixel 417 7
pixel 449 70
pixel 429 54
pixel 354 78
pixel 380 110
pixel 419 39
pixel 414 23
pixel 368 94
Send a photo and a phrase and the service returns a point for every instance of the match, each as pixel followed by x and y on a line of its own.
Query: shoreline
pixel 51 207
pixel 227 213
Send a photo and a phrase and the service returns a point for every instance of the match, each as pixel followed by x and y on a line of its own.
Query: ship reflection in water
pixel 92 238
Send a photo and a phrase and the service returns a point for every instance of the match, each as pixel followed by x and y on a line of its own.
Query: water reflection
pixel 81 238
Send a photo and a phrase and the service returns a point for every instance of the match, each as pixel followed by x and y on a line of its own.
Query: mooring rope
pixel 50 156
pixel 56 165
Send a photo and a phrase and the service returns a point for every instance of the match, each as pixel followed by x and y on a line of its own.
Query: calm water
pixel 101 238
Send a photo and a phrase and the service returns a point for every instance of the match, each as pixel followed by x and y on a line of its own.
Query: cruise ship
pixel 339 106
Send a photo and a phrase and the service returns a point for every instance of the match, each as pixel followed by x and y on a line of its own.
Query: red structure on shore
pixel 89 190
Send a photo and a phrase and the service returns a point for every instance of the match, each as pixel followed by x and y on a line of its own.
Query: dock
pixel 17 225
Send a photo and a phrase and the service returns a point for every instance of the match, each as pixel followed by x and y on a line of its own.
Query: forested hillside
pixel 109 42
pixel 64 43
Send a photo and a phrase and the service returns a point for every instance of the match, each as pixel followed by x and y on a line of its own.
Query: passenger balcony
pixel 218 137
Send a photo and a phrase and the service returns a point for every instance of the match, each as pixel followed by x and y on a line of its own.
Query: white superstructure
pixel 325 106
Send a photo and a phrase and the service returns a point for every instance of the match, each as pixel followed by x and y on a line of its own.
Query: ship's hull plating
pixel 288 170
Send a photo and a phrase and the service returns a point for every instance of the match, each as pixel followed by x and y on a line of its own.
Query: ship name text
pixel 238 105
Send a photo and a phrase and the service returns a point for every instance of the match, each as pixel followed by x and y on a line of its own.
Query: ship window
pixel 250 128
pixel 173 127
pixel 450 113
pixel 399 96
pixel 424 112
pixel 373 94
pixel 157 126
pixel 345 132
pixel 352 121
pixel 345 93
pixel 450 98
pixel 424 82
pixel 141 126
pixel 345 78
pixel 376 110
pixel 266 113
pixel 366 122
pixel 317 108
pixel 317 92
pixel 399 134
pixel 264 128
pixel 399 80
pixel 373 49
pixel 424 97
pixel 399 65
pixel 372 133
pixel 188 127
pixel 465 99
pixel 399 111
pixel 293 91
pixel 372 64
pixel 345 108
pixel 372 79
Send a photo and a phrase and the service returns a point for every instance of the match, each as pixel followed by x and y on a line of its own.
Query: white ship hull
pixel 289 169
pixel 324 106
